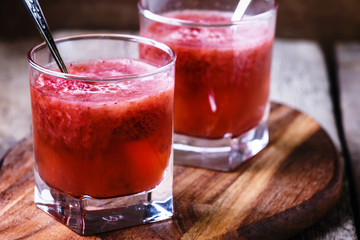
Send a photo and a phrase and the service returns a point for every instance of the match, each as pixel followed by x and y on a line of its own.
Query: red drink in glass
pixel 103 132
pixel 222 78
pixel 88 135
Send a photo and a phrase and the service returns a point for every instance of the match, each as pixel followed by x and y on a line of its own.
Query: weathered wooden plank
pixel 348 56
pixel 348 60
pixel 299 78
pixel 15 113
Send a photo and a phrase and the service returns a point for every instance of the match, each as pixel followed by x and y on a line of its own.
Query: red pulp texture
pixel 102 139
pixel 222 73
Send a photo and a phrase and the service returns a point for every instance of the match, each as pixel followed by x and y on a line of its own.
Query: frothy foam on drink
pixel 244 35
pixel 103 70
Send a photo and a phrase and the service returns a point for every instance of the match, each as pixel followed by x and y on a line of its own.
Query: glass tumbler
pixel 222 76
pixel 103 132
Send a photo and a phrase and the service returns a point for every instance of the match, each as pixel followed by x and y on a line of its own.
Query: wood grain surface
pixel 284 189
pixel 348 63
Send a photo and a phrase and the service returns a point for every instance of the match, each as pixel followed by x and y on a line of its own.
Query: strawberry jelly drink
pixel 222 77
pixel 99 128
pixel 103 132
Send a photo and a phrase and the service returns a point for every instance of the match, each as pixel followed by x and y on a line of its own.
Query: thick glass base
pixel 221 154
pixel 88 216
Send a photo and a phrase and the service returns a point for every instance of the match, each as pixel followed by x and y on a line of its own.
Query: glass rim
pixel 181 22
pixel 114 36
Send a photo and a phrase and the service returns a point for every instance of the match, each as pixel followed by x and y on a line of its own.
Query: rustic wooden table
pixel 299 79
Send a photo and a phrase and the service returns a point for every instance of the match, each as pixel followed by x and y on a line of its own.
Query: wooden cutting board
pixel 284 189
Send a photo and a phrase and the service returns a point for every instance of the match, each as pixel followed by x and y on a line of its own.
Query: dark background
pixel 323 20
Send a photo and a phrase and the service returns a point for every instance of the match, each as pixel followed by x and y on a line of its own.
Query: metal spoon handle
pixel 240 10
pixel 37 15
